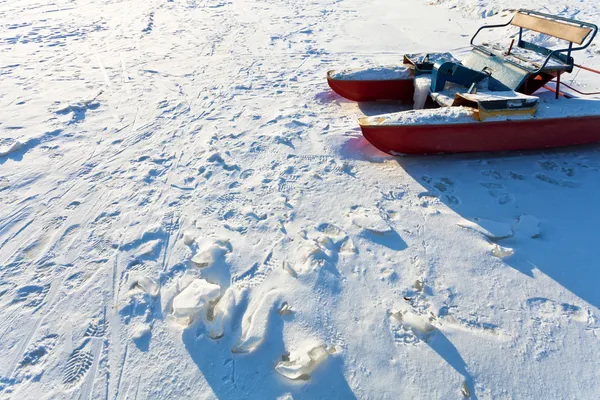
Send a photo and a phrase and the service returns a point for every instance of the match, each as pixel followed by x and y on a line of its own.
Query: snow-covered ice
pixel 195 298
pixel 188 211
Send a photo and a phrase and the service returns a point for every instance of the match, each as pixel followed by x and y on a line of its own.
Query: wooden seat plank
pixel 561 30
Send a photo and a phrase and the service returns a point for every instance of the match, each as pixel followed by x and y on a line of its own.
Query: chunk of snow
pixel 167 295
pixel 417 323
pixel 140 330
pixel 148 249
pixel 186 279
pixel 528 225
pixel 303 365
pixel 195 298
pixel 382 73
pixel 285 309
pixel 147 284
pixel 502 252
pixel 188 238
pixel 209 252
pixel 422 87
pixel 222 314
pixel 9 145
pixel 489 228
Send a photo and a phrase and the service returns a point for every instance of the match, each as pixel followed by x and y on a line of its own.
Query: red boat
pixel 483 103
pixel 401 88
pixel 384 83
pixel 536 133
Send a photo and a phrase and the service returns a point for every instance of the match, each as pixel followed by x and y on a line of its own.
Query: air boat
pixel 497 98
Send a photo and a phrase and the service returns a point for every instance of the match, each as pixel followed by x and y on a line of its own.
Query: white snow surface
pixel 153 131
pixel 390 73
pixel 430 116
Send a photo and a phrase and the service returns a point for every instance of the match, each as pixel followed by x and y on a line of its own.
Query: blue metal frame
pixel 557 54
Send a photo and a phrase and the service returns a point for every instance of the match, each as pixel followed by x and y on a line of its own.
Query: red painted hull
pixel 484 136
pixel 398 89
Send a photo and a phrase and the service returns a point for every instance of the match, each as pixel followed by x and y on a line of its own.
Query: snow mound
pixel 303 364
pixel 140 330
pixel 209 252
pixel 195 298
pixel 9 145
pixel 189 238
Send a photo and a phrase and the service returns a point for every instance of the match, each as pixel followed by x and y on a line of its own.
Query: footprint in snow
pixel 443 188
pixel 86 355
pixel 410 328
pixel 32 295
pixel 369 219
pixel 35 356
pixel 548 319
pixel 557 182
pixel 549 310
pixel 549 165
pixel 375 229
pixel 502 175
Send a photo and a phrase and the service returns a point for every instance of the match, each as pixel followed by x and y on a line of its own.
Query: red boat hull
pixel 356 90
pixel 483 136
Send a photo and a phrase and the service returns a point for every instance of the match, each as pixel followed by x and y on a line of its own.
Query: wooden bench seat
pixel 559 29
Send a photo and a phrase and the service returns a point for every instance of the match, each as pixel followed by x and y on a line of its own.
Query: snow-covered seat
pixel 535 58
pixel 526 58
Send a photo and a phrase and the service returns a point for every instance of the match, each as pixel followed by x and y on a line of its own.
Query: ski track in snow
pixel 139 131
